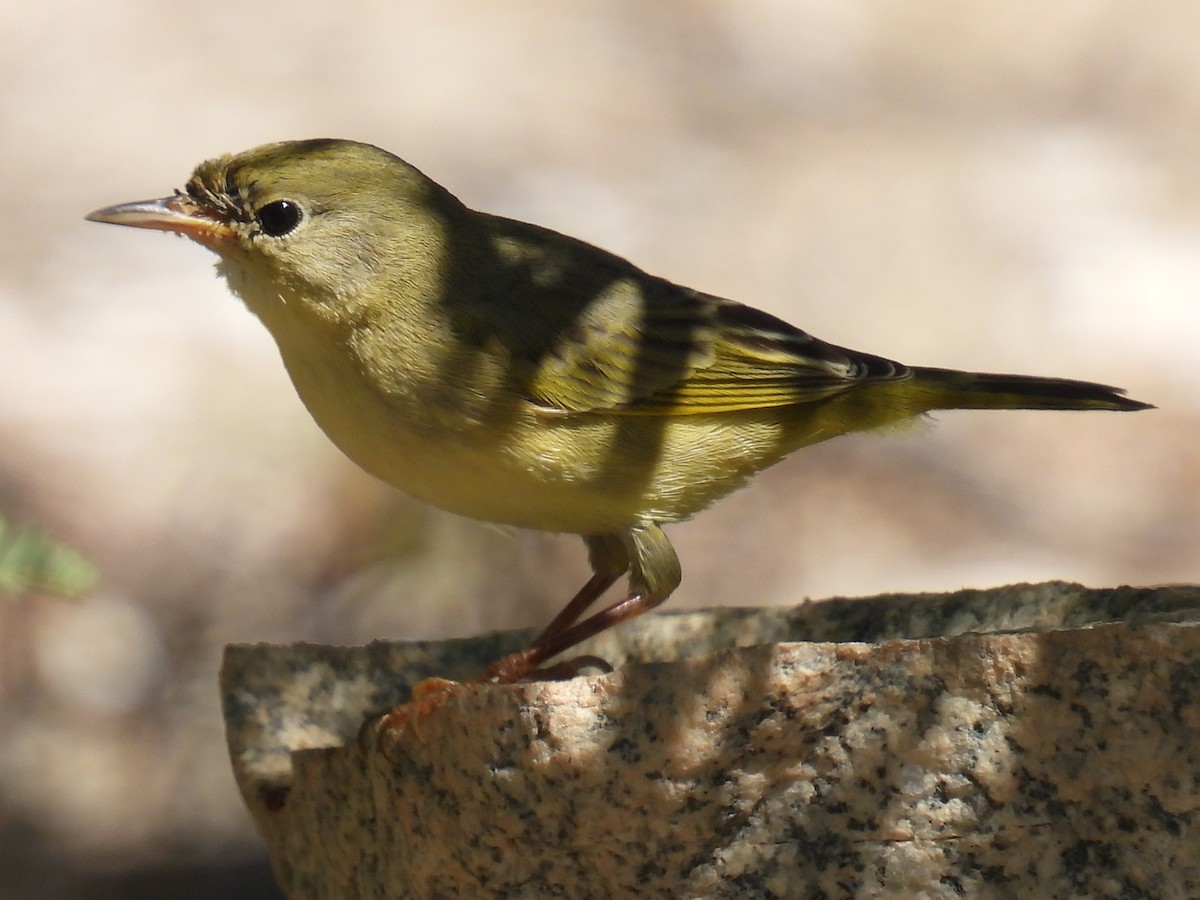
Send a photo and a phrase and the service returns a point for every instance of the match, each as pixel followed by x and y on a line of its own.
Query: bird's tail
pixel 951 389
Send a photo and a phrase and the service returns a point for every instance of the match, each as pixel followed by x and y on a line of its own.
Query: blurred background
pixel 1009 187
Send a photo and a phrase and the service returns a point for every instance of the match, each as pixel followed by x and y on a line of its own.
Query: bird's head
pixel 318 222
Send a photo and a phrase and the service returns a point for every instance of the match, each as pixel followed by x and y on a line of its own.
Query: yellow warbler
pixel 513 374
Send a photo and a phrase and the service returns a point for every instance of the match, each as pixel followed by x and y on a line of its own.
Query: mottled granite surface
pixel 1034 740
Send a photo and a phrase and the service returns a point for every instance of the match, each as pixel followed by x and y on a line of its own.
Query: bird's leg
pixel 654 574
pixel 515 666
pixel 610 560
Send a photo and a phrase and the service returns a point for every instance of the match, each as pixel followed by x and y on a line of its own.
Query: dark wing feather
pixel 586 331
pixel 679 352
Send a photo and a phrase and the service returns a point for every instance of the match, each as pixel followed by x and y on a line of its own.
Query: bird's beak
pixel 180 214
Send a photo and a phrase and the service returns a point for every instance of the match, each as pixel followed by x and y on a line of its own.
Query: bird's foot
pixel 522 666
pixel 569 668
pixel 427 696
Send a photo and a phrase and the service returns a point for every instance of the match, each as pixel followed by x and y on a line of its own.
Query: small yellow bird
pixel 513 374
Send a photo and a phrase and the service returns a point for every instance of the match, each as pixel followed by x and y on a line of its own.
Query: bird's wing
pixel 657 349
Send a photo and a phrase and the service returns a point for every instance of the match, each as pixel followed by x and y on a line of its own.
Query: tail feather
pixel 951 389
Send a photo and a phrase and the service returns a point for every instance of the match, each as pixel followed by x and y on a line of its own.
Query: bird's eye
pixel 278 218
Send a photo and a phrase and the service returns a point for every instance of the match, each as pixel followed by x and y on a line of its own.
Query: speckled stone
pixel 1034 740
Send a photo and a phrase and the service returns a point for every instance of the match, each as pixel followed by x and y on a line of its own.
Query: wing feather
pixel 695 355
pixel 610 338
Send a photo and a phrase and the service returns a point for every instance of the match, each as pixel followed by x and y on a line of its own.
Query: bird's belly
pixel 583 474
pixel 502 460
pixel 490 471
pixel 488 478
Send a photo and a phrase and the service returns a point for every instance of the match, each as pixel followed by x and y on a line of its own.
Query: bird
pixel 513 374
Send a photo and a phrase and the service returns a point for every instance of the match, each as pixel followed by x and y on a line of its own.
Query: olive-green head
pixel 306 219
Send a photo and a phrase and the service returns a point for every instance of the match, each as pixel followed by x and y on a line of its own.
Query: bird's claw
pixel 427 696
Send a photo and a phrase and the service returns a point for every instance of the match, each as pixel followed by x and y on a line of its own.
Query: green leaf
pixel 33 562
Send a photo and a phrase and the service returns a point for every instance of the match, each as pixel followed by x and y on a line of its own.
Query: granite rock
pixel 1033 740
